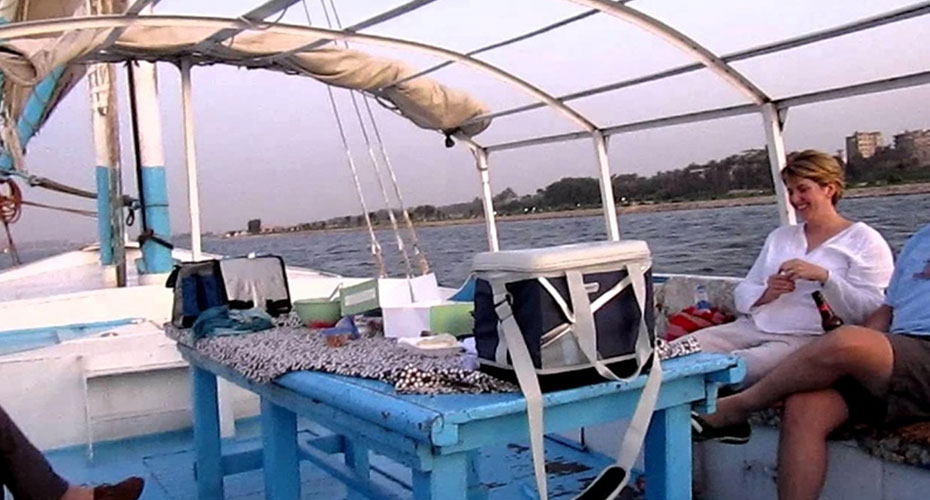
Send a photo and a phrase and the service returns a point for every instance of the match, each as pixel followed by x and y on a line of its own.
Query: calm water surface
pixel 721 241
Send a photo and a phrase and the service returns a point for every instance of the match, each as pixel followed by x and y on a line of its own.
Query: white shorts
pixel 760 351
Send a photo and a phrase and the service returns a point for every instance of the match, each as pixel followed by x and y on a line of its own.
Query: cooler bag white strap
pixel 612 479
pixel 526 376
pixel 585 330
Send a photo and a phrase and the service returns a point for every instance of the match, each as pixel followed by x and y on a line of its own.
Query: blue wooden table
pixel 437 436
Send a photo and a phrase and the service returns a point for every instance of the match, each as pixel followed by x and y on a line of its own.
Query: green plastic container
pixel 318 313
pixel 455 318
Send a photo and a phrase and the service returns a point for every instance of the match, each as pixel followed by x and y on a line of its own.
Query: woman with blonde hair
pixel 849 262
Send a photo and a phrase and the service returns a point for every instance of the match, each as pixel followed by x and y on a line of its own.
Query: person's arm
pixel 861 292
pixel 880 320
pixel 750 290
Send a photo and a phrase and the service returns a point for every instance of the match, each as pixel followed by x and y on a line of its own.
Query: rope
pixel 375 246
pixel 75 211
pixel 374 162
pixel 11 205
pixel 418 253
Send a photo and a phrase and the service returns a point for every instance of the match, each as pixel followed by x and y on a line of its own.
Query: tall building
pixel 862 145
pixel 914 144
pixel 255 226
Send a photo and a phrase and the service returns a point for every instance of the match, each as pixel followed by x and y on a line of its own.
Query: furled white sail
pixel 424 101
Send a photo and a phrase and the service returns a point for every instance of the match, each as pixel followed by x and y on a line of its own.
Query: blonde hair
pixel 819 167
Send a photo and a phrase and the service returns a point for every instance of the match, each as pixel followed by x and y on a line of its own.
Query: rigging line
pixel 374 160
pixel 75 211
pixel 417 251
pixel 375 246
pixel 422 263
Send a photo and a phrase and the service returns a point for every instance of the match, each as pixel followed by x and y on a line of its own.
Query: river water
pixel 721 241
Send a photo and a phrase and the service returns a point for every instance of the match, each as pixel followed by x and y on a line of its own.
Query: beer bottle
pixel 828 319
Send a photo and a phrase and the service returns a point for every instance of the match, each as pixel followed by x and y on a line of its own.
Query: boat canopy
pixel 26 62
pixel 684 45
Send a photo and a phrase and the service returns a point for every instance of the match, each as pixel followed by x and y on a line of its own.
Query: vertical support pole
pixel 668 454
pixel 102 83
pixel 448 479
pixel 279 439
pixel 607 190
pixel 481 157
pixel 190 156
pixel 207 435
pixel 775 143
pixel 150 154
pixel 357 459
pixel 97 84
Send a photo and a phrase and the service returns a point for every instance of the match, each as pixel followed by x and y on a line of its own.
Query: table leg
pixel 476 491
pixel 357 459
pixel 279 440
pixel 448 479
pixel 668 455
pixel 209 468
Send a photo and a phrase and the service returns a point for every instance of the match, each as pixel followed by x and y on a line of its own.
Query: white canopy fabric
pixel 428 104
pixel 16 92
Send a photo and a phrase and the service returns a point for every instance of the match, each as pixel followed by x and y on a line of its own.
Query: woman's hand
pixel 778 285
pixel 799 269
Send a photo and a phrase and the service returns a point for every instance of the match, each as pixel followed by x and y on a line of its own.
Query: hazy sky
pixel 267 144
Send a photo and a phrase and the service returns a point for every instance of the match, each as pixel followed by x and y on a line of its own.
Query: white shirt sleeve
pixel 861 291
pixel 748 291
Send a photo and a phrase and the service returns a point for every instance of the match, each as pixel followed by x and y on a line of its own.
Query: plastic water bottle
pixel 701 302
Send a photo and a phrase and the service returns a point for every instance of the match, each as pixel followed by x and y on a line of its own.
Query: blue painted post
pixel 154 187
pixel 279 438
pixel 105 167
pixel 357 459
pixel 207 435
pixel 104 230
pixel 448 479
pixel 668 454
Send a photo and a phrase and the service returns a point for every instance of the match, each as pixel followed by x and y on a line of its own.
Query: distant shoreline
pixel 862 192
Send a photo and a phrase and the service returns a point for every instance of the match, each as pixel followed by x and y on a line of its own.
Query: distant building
pixel 914 144
pixel 862 145
pixel 255 226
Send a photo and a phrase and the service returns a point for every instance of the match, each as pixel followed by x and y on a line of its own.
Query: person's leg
pixel 808 419
pixel 23 468
pixel 861 353
pixel 770 350
pixel 727 337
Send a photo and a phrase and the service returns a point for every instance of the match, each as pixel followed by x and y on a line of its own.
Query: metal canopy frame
pixel 770 109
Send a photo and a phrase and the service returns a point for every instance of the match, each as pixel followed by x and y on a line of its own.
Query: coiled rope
pixel 11 208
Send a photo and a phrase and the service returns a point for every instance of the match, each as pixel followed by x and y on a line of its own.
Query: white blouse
pixel 859 262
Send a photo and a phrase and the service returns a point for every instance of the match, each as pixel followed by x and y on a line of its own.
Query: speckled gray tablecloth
pixel 263 356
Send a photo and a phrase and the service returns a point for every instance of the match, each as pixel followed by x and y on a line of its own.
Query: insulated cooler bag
pixel 559 317
pixel 239 282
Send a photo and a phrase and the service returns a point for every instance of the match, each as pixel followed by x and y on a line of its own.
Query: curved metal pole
pixel 190 157
pixel 38 28
pixel 775 143
pixel 487 202
pixel 481 157
pixel 607 190
pixel 682 42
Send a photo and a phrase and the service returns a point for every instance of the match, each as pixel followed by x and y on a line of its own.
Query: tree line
pixel 743 174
